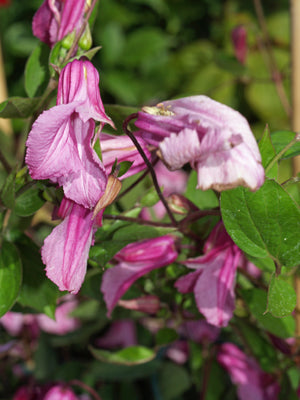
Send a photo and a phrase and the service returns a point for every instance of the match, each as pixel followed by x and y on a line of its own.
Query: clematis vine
pixel 252 382
pixel 57 18
pixel 134 261
pixel 215 139
pixel 213 281
pixel 59 143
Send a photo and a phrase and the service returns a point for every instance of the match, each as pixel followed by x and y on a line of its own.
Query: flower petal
pixel 66 249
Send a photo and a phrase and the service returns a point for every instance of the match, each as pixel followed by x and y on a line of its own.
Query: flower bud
pixel 180 204
pixel 147 304
pixel 239 40
pixel 86 41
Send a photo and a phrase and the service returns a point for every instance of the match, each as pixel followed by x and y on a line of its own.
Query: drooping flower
pixel 215 139
pixel 213 281
pixel 239 40
pixel 122 149
pixel 59 143
pixel 60 392
pixel 134 261
pixel 65 251
pixel 120 334
pixel 63 322
pixel 57 18
pixel 252 382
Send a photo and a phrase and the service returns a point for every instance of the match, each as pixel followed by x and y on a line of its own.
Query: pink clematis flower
pixel 57 18
pixel 239 40
pixel 122 149
pixel 60 392
pixel 120 334
pixel 134 261
pixel 214 279
pixel 59 143
pixel 244 371
pixel 63 323
pixel 215 139
pixel 65 251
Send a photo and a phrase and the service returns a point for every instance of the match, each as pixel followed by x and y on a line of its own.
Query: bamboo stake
pixel 295 90
pixel 5 124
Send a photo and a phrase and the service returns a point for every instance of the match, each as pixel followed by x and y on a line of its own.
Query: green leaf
pixel 8 190
pixel 256 300
pixel 104 251
pixel 132 355
pixel 174 380
pixel 89 53
pixel 29 201
pixel 281 297
pixel 124 167
pixel 10 276
pixel 267 152
pixel 19 107
pixel 136 232
pixel 166 336
pixel 281 139
pixel 202 199
pixel 36 70
pixel 264 223
pixel 37 292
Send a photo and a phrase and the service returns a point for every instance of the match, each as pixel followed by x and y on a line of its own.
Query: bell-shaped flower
pixel 134 261
pixel 122 149
pixel 252 382
pixel 65 251
pixel 60 392
pixel 213 281
pixel 215 139
pixel 57 18
pixel 63 322
pixel 120 334
pixel 59 143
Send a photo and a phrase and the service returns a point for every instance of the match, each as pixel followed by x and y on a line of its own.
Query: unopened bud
pixel 147 304
pixel 180 204
pixel 68 40
pixel 86 41
pixel 239 40
pixel 112 190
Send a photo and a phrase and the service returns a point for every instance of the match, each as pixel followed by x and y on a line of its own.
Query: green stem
pixel 283 151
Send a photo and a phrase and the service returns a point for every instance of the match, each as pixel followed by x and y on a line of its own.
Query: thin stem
pixel 283 151
pixel 86 388
pixel 5 164
pixel 197 215
pixel 82 28
pixel 137 220
pixel 136 182
pixel 272 64
pixel 149 165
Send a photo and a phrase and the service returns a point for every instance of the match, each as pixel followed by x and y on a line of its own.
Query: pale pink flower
pixel 64 322
pixel 14 323
pixel 213 281
pixel 134 261
pixel 120 334
pixel 252 382
pixel 215 139
pixel 57 18
pixel 149 304
pixel 59 143
pixel 122 149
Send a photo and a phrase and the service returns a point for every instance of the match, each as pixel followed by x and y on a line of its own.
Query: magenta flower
pixel 57 18
pixel 134 261
pixel 59 143
pixel 122 149
pixel 120 334
pixel 65 251
pixel 60 392
pixel 239 40
pixel 214 279
pixel 63 322
pixel 252 382
pixel 215 139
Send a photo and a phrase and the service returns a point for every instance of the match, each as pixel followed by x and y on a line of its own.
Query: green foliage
pixel 281 297
pixel 18 107
pixel 132 355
